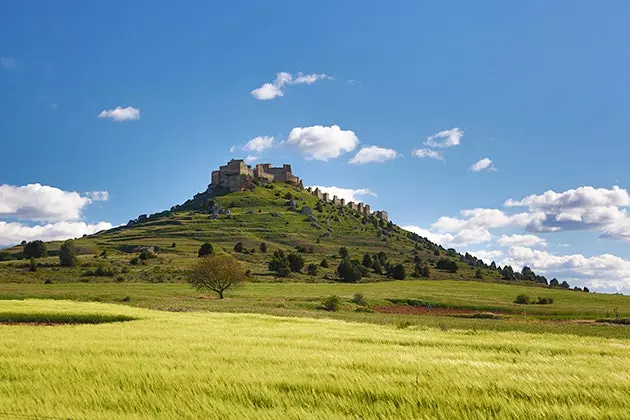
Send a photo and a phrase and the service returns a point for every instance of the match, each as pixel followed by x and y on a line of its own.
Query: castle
pixel 236 175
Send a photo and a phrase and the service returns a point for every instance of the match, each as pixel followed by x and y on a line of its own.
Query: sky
pixel 497 128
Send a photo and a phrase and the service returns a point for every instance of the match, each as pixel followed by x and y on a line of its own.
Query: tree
pixel 508 273
pixel 564 285
pixel 206 249
pixel 217 273
pixel 279 263
pixel 296 262
pixel 173 245
pixel 312 269
pixel 35 249
pixel 426 271
pixel 367 260
pixel 397 271
pixel 528 274
pixel 238 247
pixel 446 264
pixel 263 247
pixel 348 272
pixel 478 274
pixel 377 267
pixel 585 289
pixel 554 282
pixel 68 254
pixel 382 258
pixel 343 252
pixel 324 263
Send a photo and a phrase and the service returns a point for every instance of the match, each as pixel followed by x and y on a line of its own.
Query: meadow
pixel 222 365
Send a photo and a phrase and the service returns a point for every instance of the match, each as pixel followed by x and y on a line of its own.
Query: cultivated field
pixel 210 365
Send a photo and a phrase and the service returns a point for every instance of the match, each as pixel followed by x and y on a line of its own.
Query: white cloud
pixel 276 88
pixel 604 272
pixel 487 255
pixel 445 138
pixel 8 63
pixel 347 194
pixel 259 144
pixel 463 237
pixel 321 142
pixel 422 153
pixel 232 149
pixel 14 233
pixel 121 114
pixel 251 158
pixel 579 209
pixel 371 154
pixel 484 164
pixel 521 240
pixel 43 203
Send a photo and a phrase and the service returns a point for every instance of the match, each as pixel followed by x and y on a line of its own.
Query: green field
pixel 211 365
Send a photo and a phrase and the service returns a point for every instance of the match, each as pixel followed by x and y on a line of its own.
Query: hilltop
pixel 242 209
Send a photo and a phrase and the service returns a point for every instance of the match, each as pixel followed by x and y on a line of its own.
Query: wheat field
pixel 219 365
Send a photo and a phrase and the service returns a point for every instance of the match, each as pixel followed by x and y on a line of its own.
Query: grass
pixel 211 365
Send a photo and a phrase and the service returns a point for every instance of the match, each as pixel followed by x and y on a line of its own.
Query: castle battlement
pixel 236 175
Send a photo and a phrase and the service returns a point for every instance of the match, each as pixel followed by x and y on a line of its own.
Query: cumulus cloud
pixel 445 138
pixel 487 255
pixel 8 63
pixel 462 237
pixel 370 154
pixel 276 88
pixel 321 142
pixel 14 233
pixel 484 164
pixel 429 153
pixel 251 158
pixel 604 272
pixel 44 203
pixel 521 240
pixel 121 114
pixel 579 209
pixel 259 144
pixel 348 194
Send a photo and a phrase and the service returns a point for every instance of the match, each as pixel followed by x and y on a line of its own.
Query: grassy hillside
pixel 201 365
pixel 261 215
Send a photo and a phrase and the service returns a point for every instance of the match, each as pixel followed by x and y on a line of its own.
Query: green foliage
pixel 217 273
pixel 324 263
pixel 296 262
pixel 447 265
pixel 238 247
pixel 312 269
pixel 279 264
pixel 68 254
pixel 348 272
pixel 32 266
pixel 478 274
pixel 359 299
pixel 205 249
pixel 35 249
pixel 331 303
pixel 523 299
pixel 263 247
pixel 397 271
pixel 343 252
pixel 100 271
pixel 367 260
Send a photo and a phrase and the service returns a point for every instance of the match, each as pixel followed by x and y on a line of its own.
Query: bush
pixel 146 254
pixel 205 249
pixel 32 266
pixel 343 252
pixel 35 249
pixel 522 299
pixel 544 301
pixel 263 247
pixel 296 262
pixel 280 264
pixel 68 254
pixel 305 249
pixel 397 271
pixel 359 299
pixel 478 274
pixel 134 261
pixel 377 267
pixel 100 271
pixel 324 263
pixel 447 265
pixel 217 273
pixel 238 247
pixel 312 269
pixel 367 261
pixel 331 303
pixel 348 272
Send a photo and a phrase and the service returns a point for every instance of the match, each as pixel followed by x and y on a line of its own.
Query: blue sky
pixel 539 88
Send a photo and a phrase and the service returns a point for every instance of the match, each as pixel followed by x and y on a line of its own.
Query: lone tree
pixel 68 254
pixel 206 249
pixel 35 249
pixel 217 273
pixel 279 263
pixel 348 272
pixel 296 262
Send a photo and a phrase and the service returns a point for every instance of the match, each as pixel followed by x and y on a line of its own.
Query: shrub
pixel 367 260
pixel 343 252
pixel 134 261
pixel 296 262
pixel 263 247
pixel 205 249
pixel 312 269
pixel 522 299
pixel 544 301
pixel 35 249
pixel 305 249
pixel 68 254
pixel 331 303
pixel 238 247
pixel 217 273
pixel 348 272
pixel 279 263
pixel 359 299
pixel 397 271
pixel 377 267
pixel 173 245
pixel 478 274
pixel 447 265
pixel 324 263
pixel 146 254
pixel 32 266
